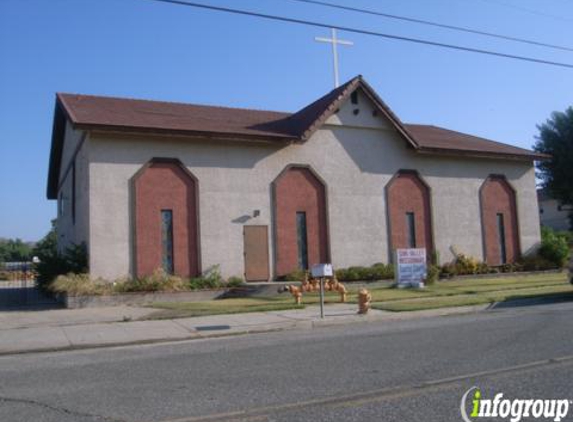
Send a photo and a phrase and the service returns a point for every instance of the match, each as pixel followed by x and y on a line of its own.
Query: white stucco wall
pixel 356 163
pixel 70 231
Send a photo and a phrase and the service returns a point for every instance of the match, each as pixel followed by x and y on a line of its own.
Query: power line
pixel 363 32
pixel 527 10
pixel 431 23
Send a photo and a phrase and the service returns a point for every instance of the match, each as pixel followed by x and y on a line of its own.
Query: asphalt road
pixel 413 370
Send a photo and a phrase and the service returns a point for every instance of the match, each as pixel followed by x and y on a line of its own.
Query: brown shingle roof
pixel 109 113
pixel 440 140
pixel 119 114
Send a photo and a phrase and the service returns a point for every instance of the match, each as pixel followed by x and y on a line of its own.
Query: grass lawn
pixel 481 291
pixel 442 294
pixel 222 306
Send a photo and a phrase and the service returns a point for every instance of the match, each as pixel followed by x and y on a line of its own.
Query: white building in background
pixel 552 213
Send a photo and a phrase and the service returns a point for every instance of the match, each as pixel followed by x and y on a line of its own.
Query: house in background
pixel 148 184
pixel 552 213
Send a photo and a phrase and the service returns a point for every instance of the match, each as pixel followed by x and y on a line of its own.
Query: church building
pixel 183 187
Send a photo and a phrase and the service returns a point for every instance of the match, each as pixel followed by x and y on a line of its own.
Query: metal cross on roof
pixel 334 41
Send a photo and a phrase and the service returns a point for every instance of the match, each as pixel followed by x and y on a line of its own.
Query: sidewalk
pixel 51 330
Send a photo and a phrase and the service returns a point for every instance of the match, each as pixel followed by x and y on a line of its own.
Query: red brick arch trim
pixel 299 188
pixel 498 196
pixel 406 192
pixel 165 183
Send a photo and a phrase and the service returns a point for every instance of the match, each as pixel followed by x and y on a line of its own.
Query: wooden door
pixel 256 244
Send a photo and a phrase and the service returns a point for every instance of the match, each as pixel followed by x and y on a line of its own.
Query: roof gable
pixel 313 116
pixel 358 112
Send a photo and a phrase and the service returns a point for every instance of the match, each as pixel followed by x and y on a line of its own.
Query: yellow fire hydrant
pixel 294 291
pixel 364 298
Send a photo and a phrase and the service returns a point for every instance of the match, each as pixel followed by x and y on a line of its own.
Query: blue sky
pixel 144 49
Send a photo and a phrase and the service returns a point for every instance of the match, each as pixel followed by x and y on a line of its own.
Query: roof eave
pixel 482 154
pixel 226 136
pixel 58 132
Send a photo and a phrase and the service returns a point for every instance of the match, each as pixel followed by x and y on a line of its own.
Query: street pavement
pixel 413 369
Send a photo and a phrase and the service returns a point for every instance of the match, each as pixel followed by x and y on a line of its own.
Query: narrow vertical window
pixel 74 193
pixel 167 240
pixel 61 205
pixel 301 237
pixel 411 229
pixel 501 238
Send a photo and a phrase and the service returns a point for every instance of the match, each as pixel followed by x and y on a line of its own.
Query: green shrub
pixel 567 235
pixel 234 281
pixel 435 258
pixel 202 283
pixel 74 259
pixel 467 264
pixel 536 262
pixel 448 270
pixel 383 271
pixel 464 265
pixel 296 275
pixel 211 279
pixel 378 271
pixel 511 267
pixel 347 274
pixel 432 274
pixel 554 247
pixel 483 268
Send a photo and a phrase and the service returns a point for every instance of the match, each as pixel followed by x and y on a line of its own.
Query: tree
pixel 14 250
pixel 48 246
pixel 73 259
pixel 556 138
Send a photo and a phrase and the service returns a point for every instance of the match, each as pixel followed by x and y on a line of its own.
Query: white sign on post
pixel 321 270
pixel 411 267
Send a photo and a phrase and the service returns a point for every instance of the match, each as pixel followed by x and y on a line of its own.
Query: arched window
pixel 409 214
pixel 300 220
pixel 499 221
pixel 166 225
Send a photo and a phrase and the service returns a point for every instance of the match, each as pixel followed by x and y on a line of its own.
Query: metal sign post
pixel 321 271
pixel 322 297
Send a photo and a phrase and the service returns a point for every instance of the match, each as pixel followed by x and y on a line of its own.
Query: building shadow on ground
pixel 546 299
pixel 26 298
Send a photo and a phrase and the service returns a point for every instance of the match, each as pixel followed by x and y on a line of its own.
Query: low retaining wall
pixel 144 298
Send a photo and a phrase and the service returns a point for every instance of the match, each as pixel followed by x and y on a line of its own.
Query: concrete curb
pixel 131 343
pixel 294 324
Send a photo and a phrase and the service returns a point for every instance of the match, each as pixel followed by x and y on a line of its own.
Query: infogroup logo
pixel 513 409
